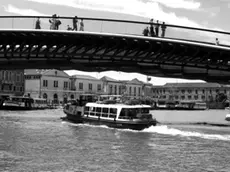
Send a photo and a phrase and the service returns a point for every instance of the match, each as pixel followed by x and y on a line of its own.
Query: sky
pixel 209 14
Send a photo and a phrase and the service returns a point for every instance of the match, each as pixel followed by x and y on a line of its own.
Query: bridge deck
pixel 94 51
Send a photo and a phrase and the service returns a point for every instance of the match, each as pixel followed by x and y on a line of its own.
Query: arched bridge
pixel 107 44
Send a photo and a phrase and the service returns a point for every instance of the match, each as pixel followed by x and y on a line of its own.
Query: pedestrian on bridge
pixel 146 31
pixel 151 28
pixel 57 23
pixel 53 22
pixel 157 28
pixel 217 41
pixel 81 25
pixel 75 23
pixel 38 23
pixel 163 28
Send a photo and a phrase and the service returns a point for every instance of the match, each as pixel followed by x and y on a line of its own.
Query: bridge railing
pixel 119 27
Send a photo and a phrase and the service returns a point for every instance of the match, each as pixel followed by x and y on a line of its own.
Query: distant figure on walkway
pixel 69 28
pixel 217 41
pixel 146 31
pixel 38 24
pixel 163 28
pixel 75 23
pixel 81 25
pixel 151 28
pixel 57 23
pixel 157 29
pixel 53 22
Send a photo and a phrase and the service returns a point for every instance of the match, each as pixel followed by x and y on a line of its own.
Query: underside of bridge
pixel 87 51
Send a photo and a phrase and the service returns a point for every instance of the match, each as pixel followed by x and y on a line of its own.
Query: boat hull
pixel 110 123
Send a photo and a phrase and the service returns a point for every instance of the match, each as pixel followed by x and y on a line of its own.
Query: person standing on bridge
pixel 217 41
pixel 81 25
pixel 75 23
pixel 57 23
pixel 146 31
pixel 151 28
pixel 38 23
pixel 163 28
pixel 53 22
pixel 157 29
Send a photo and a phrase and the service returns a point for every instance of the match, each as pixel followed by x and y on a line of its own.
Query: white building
pixel 84 84
pixel 53 85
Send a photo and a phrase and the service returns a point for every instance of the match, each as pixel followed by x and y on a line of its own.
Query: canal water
pixel 41 141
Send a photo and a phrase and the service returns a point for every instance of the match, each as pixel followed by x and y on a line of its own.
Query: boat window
pixel 128 113
pixel 145 110
pixel 112 116
pixel 113 110
pixel 92 109
pixel 98 109
pixel 86 108
pixel 105 115
pixel 105 110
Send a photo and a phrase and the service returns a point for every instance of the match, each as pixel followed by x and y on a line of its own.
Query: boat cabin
pixel 117 111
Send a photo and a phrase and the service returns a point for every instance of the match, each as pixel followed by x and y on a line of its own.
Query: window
pixel 135 91
pixel 182 91
pixel 110 89
pixel 115 89
pixel 182 97
pixel 196 91
pixel 189 97
pixel 196 97
pixel 113 113
pixel 139 91
pixel 130 91
pixel 10 76
pixel 65 84
pixel 80 86
pixel 18 78
pixel 45 83
pixel 90 86
pixel 203 97
pixel 55 83
pixel 98 87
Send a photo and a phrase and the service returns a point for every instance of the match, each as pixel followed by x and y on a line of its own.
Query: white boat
pixel 135 117
pixel 227 118
pixel 23 103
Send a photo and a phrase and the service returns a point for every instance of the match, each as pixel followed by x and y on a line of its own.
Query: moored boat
pixel 227 118
pixel 116 115
pixel 23 103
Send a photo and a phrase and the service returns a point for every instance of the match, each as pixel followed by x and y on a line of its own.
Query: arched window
pixel 6 75
pixel 44 96
pixel 55 100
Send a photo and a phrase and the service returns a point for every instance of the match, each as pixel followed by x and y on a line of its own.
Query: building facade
pixel 207 92
pixel 12 82
pixel 53 85
pixel 112 86
pixel 84 84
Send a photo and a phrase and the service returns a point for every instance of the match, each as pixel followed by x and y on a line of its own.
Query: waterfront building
pixel 12 83
pixel 133 88
pixel 207 92
pixel 112 86
pixel 53 85
pixel 84 84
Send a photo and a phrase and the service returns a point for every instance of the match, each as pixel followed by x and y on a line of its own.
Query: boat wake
pixel 163 129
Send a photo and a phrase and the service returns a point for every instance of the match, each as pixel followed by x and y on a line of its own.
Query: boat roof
pixel 117 105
